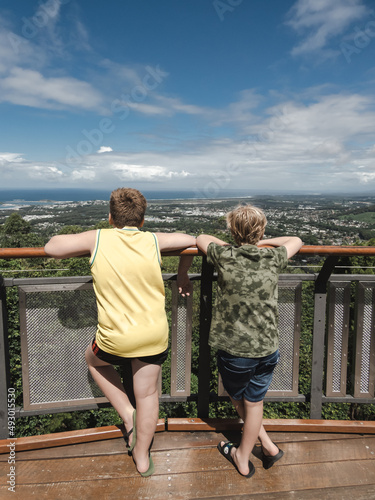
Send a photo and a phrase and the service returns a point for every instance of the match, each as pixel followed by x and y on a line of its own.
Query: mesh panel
pixel 283 374
pixel 181 345
pixel 57 334
pixel 337 339
pixel 366 341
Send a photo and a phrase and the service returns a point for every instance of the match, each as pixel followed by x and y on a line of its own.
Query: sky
pixel 271 96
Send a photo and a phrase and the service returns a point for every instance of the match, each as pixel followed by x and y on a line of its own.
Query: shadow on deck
pixel 188 466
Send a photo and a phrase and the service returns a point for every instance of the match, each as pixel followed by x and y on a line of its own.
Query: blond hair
pixel 127 207
pixel 247 224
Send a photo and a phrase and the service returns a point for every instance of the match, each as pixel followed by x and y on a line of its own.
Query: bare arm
pixel 71 245
pixel 204 240
pixel 185 287
pixel 291 243
pixel 174 241
pixel 178 241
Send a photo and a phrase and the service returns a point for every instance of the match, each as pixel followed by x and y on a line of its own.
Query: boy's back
pixel 244 326
pixel 245 315
pixel 132 321
pixel 130 293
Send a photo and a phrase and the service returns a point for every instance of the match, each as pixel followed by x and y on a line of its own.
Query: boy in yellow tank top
pixel 132 323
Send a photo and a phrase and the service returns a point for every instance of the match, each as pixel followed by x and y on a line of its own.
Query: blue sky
pixel 203 95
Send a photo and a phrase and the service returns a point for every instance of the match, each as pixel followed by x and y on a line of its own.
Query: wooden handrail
pixel 21 253
pixel 38 252
pixel 336 250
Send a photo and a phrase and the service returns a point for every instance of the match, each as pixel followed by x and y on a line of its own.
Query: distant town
pixel 318 220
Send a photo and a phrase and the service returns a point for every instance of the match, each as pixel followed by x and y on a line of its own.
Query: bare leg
pixel 145 379
pixel 239 407
pixel 110 383
pixel 251 428
pixel 269 447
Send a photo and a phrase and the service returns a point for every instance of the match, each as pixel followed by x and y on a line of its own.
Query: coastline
pixel 19 197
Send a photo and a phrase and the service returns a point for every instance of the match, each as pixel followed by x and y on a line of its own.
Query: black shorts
pixel 157 359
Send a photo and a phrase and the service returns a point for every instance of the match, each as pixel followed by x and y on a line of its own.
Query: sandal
pixel 151 467
pixel 225 450
pixel 133 431
pixel 269 460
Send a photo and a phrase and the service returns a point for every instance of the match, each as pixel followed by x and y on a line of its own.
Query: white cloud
pixel 26 55
pixel 236 112
pixel 176 106
pixel 319 142
pixel 145 173
pixel 319 21
pixel 44 172
pixel 13 168
pixel 88 174
pixel 129 75
pixel 159 105
pixel 105 149
pixel 366 177
pixel 149 109
pixel 34 70
pixel 305 146
pixel 56 39
pixel 17 50
pixel 10 158
pixel 30 88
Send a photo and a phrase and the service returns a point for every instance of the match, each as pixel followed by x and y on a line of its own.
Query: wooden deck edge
pixel 186 424
pixel 67 438
pixel 273 425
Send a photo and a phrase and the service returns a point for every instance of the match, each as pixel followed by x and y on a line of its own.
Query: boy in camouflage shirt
pixel 244 325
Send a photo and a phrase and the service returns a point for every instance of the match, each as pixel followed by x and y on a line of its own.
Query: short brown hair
pixel 127 207
pixel 247 224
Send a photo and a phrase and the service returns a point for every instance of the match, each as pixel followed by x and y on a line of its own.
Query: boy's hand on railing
pixel 184 285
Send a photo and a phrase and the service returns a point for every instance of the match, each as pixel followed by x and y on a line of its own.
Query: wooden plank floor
pixel 188 466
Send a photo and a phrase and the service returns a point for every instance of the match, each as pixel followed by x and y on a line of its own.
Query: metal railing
pixel 58 319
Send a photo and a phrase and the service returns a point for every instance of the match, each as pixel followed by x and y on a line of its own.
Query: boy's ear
pixel 110 220
pixel 141 224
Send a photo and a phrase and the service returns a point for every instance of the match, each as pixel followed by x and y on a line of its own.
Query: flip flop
pixel 151 468
pixel 225 450
pixel 269 460
pixel 133 431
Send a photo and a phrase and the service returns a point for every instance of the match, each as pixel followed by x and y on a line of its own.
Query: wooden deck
pixel 188 466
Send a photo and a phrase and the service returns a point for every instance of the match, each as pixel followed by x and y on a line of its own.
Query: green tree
pixel 15 224
pixel 17 232
pixel 74 229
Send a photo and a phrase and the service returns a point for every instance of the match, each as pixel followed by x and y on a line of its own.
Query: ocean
pixel 35 196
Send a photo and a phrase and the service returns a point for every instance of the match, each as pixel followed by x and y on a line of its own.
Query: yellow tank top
pixel 130 295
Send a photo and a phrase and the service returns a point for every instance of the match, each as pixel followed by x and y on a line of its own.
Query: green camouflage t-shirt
pixel 245 315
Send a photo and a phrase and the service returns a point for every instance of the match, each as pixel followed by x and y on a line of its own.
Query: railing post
pixel 204 329
pixel 320 306
pixel 4 364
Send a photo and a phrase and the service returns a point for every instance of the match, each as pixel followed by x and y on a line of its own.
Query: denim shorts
pixel 247 378
pixel 157 359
